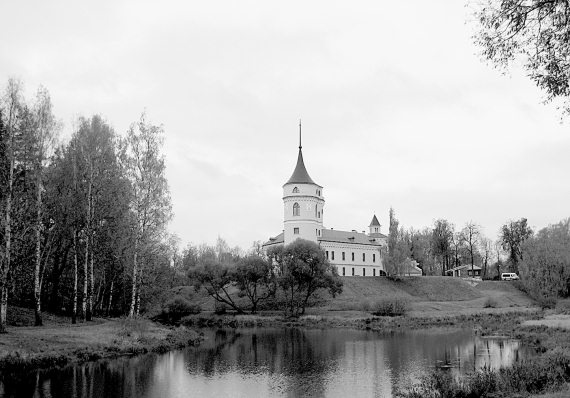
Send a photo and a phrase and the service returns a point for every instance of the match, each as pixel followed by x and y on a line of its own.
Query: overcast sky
pixel 398 109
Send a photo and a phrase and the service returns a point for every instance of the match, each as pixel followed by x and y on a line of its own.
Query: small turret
pixel 374 227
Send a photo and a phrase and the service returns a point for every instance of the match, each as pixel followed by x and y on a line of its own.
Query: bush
pixel 220 308
pixel 547 302
pixel 176 308
pixel 490 302
pixel 390 307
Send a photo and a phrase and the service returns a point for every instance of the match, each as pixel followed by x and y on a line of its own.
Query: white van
pixel 509 276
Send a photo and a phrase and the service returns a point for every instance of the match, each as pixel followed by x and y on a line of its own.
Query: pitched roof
pixel 468 266
pixel 274 240
pixel 300 175
pixel 331 235
pixel 374 222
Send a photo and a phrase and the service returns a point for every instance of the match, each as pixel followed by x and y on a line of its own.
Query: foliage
pixel 513 234
pixel 490 302
pixel 390 307
pixel 304 270
pixel 532 31
pixel 177 308
pixel 398 248
pixel 256 279
pixel 545 269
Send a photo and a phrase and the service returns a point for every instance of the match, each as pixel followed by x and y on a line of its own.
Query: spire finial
pixel 300 146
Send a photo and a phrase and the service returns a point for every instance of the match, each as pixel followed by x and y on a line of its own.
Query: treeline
pixel 541 259
pixel 443 246
pixel 83 223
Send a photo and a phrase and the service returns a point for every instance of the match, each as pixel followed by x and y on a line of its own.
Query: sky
pixel 398 108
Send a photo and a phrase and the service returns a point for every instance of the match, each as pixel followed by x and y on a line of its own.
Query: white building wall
pixel 371 265
pixel 309 222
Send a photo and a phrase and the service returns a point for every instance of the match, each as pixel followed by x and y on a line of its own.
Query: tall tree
pixel 442 237
pixel 532 31
pixel 150 200
pixel 43 141
pixel 471 234
pixel 12 104
pixel 512 236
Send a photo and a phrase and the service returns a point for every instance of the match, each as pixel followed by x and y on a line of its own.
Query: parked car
pixel 509 276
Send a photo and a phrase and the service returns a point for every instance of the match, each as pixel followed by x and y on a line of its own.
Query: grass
pixel 58 342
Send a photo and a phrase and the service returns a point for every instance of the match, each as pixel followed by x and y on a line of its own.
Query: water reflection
pixel 275 363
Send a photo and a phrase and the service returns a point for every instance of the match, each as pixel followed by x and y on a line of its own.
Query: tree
pixel 150 200
pixel 13 106
pixel 398 248
pixel 470 235
pixel 545 269
pixel 216 279
pixel 256 279
pixel 43 141
pixel 442 237
pixel 486 249
pixel 534 32
pixel 512 236
pixel 305 270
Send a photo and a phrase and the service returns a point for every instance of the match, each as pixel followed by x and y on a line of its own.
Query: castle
pixel 352 252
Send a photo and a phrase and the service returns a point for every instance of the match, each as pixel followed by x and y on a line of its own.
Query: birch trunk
pixel 135 272
pixel 37 270
pixel 5 265
pixel 91 284
pixel 75 269
pixel 110 299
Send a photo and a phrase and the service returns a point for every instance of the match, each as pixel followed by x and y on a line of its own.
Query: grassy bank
pixel 58 343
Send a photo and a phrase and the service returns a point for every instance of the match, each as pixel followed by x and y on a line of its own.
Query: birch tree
pixel 144 166
pixel 43 140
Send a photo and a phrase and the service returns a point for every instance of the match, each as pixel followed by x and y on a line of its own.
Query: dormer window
pixel 296 209
pixel 295 190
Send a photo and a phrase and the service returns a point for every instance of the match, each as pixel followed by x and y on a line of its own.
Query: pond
pixel 277 363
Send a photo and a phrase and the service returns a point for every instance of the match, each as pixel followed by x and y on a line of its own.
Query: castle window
pixel 327 253
pixel 352 271
pixel 296 231
pixel 373 257
pixel 343 271
pixel 373 272
pixel 316 206
pixel 353 257
pixel 363 257
pixel 375 229
pixel 319 214
pixel 295 190
pixel 332 255
pixel 296 209
pixel 363 271
pixel 343 256
pixel 317 232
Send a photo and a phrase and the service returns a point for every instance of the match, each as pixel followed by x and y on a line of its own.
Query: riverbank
pixel 26 348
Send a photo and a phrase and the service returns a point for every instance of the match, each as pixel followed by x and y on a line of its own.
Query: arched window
pixel 295 190
pixel 316 207
pixel 296 209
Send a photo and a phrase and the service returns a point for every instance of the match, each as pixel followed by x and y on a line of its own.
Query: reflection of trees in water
pixel 123 377
pixel 293 354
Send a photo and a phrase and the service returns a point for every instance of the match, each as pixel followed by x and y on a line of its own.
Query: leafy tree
pixel 512 236
pixel 216 279
pixel 545 269
pixel 305 270
pixel 398 248
pixel 532 31
pixel 442 238
pixel 256 279
pixel 150 200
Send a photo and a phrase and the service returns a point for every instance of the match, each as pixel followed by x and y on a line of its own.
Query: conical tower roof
pixel 300 174
pixel 374 222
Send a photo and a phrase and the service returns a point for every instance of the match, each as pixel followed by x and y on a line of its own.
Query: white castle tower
pixel 303 204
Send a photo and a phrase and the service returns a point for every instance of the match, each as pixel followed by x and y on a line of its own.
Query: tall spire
pixel 300 146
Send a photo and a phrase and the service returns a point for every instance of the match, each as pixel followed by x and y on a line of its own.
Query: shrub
pixel 176 308
pixel 365 306
pixel 547 302
pixel 390 307
pixel 220 308
pixel 490 302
